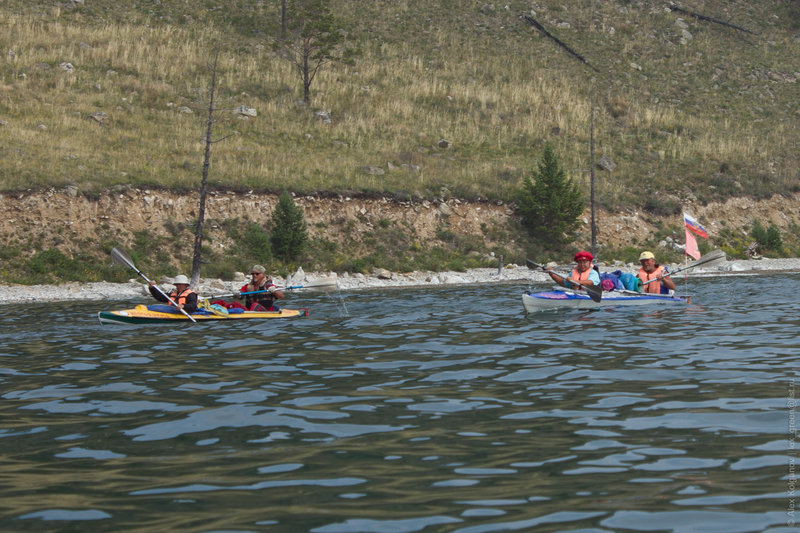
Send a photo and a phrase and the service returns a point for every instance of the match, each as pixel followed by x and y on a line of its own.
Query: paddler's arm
pixel 557 278
pixel 155 294
pixel 582 282
pixel 191 303
pixel 594 279
pixel 667 282
pixel 275 292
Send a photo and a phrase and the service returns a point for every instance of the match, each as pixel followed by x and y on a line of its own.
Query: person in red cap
pixel 582 274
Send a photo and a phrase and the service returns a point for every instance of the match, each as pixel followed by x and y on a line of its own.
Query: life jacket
pixel 577 276
pixel 266 299
pixel 180 299
pixel 655 287
pixel 580 276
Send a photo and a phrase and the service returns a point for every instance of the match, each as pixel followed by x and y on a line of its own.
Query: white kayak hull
pixel 564 299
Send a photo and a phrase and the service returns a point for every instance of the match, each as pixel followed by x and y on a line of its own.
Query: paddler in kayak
pixel 182 295
pixel 583 273
pixel 262 301
pixel 651 270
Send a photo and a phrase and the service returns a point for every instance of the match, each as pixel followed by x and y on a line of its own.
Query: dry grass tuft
pixel 665 110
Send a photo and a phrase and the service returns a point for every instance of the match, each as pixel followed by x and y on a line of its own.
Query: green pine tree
pixel 289 234
pixel 550 204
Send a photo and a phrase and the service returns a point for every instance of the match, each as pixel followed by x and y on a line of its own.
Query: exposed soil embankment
pixel 70 221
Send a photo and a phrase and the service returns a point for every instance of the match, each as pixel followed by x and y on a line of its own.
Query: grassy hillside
pixel 685 108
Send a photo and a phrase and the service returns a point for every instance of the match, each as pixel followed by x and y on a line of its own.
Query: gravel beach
pixel 136 289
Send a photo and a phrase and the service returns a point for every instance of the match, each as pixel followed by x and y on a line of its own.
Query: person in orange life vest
pixel 583 273
pixel 650 270
pixel 263 301
pixel 182 295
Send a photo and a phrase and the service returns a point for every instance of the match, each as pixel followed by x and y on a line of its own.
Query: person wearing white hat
pixel 651 270
pixel 182 295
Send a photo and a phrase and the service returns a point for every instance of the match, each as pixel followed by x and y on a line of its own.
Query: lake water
pixel 445 409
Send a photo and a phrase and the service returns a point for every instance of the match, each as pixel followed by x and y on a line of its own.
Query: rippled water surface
pixel 385 411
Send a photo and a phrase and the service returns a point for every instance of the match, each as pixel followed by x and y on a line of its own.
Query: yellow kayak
pixel 160 313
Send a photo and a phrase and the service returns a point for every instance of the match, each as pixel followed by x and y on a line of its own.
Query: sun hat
pixel 258 268
pixel 180 279
pixel 583 255
pixel 646 255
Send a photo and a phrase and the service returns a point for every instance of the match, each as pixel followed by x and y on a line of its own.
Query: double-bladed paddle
pixel 594 293
pixel 121 258
pixel 311 285
pixel 713 255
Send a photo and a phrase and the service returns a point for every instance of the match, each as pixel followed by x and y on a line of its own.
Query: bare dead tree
pixel 530 20
pixel 197 256
pixel 283 20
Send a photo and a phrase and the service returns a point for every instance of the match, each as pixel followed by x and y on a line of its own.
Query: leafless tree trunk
pixel 201 214
pixel 283 20
pixel 591 166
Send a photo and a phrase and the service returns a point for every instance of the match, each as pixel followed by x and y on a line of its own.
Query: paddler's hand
pixel 237 294
pixel 273 289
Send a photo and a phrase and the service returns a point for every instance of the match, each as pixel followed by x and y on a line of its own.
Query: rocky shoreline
pixel 136 289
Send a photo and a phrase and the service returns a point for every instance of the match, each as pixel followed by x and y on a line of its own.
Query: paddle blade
pixel 714 256
pixel 323 284
pixel 121 258
pixel 595 294
pixel 532 264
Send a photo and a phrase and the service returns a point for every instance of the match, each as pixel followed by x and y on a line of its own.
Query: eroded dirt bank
pixel 68 220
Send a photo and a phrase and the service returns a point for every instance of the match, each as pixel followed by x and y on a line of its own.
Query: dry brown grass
pixel 494 89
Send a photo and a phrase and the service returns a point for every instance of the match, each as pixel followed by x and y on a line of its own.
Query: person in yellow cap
pixel 651 270
pixel 582 274
pixel 182 295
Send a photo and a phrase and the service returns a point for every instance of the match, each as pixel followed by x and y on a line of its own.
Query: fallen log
pixel 530 20
pixel 673 7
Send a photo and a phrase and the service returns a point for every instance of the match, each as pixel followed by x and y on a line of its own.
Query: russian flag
pixel 694 226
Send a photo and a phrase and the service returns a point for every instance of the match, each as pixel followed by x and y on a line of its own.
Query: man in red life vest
pixel 582 274
pixel 262 301
pixel 182 295
pixel 651 270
